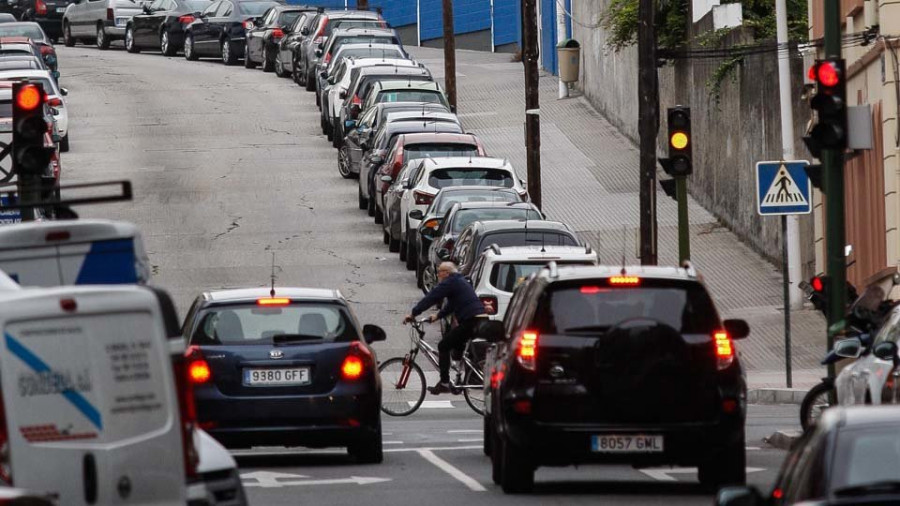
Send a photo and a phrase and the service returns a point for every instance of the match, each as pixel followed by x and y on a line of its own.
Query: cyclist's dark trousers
pixel 455 339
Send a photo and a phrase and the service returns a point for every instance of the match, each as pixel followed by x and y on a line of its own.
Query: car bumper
pixel 115 31
pixel 217 488
pixel 52 25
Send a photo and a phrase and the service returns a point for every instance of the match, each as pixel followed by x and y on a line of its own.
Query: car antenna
pixel 272 291
pixel 624 246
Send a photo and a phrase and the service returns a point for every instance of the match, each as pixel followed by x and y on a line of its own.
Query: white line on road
pixel 465 431
pixel 665 474
pixel 392 442
pixel 434 404
pixel 473 440
pixel 448 468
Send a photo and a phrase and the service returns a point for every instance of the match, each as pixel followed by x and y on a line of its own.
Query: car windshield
pixel 33 32
pixel 506 276
pixel 464 217
pixel 44 82
pixel 353 23
pixel 475 177
pixel 446 201
pixel 287 17
pixel 254 8
pixel 247 324
pixel 867 456
pixel 429 96
pixel 596 306
pixel 416 151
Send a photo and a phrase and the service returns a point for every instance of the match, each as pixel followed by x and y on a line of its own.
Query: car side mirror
pixel 886 350
pixel 373 333
pixel 387 179
pixel 739 496
pixel 64 91
pixel 323 74
pixel 405 184
pixel 427 232
pixel 416 214
pixel 490 330
pixel 342 95
pixel 848 348
pixel 443 254
pixel 350 123
pixel 376 159
pixel 737 329
pixel 304 31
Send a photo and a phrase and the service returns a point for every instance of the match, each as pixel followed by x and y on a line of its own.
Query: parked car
pixel 850 457
pixel 317 33
pixel 498 271
pixel 6 17
pixel 219 30
pixel 864 380
pixel 480 234
pixel 46 13
pixel 34 33
pixel 161 25
pixel 361 79
pixel 293 35
pixel 599 338
pixel 55 98
pixel 405 91
pixel 100 21
pixel 327 53
pixel 23 62
pixel 265 34
pixel 288 369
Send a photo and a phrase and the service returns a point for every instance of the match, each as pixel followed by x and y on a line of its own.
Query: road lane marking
pixel 392 442
pixel 433 404
pixel 465 431
pixel 472 440
pixel 268 479
pixel 448 468
pixel 341 451
pixel 664 474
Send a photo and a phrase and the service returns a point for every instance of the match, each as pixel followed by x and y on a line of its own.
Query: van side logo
pixel 276 354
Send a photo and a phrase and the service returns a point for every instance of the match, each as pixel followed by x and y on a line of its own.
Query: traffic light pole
pixel 684 235
pixel 833 166
pixel 29 187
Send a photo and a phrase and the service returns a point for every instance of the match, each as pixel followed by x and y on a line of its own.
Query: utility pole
pixel 532 103
pixel 449 54
pixel 648 127
pixel 361 5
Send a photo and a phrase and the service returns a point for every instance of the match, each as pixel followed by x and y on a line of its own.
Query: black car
pixel 850 457
pixel 263 39
pixel 293 36
pixel 47 13
pixel 479 235
pixel 162 25
pixel 220 28
pixel 614 364
pixel 289 369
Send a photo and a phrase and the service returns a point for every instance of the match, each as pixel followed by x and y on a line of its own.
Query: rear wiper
pixel 869 488
pixel 293 338
pixel 587 328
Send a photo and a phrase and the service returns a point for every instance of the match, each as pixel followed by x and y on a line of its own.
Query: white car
pixel 862 381
pixel 500 270
pixel 429 175
pixel 56 97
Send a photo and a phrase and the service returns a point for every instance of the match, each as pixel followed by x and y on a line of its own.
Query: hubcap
pixel 225 51
pixel 165 42
pixel 99 35
pixel 129 39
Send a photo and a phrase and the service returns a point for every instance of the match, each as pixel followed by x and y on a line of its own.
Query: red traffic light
pixel 827 74
pixel 29 97
pixel 817 284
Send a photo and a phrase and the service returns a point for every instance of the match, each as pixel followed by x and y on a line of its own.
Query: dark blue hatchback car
pixel 290 369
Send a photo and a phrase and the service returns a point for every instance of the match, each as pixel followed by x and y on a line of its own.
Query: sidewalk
pixel 590 181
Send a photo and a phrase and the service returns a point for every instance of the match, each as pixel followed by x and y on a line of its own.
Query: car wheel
pixel 165 46
pixel 402 248
pixel 410 251
pixel 129 41
pixel 385 237
pixel 393 244
pixel 299 76
pixel 516 469
pixel 336 137
pixel 368 450
pixel 727 467
pixel 309 80
pixel 64 143
pixel 379 216
pixel 370 208
pixel 67 36
pixel 328 133
pixel 279 69
pixel 268 63
pixel 497 460
pixel 248 63
pixel 344 167
pixel 189 53
pixel 363 202
pixel 228 55
pixel 486 439
pixel 102 39
pixel 420 273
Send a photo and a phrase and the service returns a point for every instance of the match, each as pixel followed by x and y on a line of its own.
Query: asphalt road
pixel 229 166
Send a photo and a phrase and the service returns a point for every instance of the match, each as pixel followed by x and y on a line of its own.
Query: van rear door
pixel 89 396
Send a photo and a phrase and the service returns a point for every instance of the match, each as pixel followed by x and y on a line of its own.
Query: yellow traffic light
pixel 678 140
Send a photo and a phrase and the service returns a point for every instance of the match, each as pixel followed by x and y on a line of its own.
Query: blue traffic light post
pixel 783 189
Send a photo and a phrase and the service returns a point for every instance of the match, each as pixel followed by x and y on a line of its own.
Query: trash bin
pixel 568 54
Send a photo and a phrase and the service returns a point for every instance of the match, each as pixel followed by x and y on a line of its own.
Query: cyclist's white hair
pixel 449 267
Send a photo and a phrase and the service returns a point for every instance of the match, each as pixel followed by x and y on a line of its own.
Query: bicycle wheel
pixel 402 386
pixel 817 400
pixel 474 395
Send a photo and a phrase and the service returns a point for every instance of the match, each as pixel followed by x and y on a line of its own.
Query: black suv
pixel 480 234
pixel 614 365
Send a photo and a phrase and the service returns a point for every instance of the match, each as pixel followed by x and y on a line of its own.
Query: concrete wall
pixel 729 136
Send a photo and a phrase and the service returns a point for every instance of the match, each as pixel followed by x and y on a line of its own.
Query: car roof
pixel 367 45
pixel 402 127
pixel 389 68
pixel 351 14
pixel 501 225
pixel 444 138
pixel 847 417
pixel 465 188
pixel 358 31
pixel 641 271
pixel 479 162
pixel 486 204
pixel 536 252
pixel 396 84
pixel 13 74
pixel 413 115
pixel 251 294
pixel 292 8
pixel 15 39
pixel 387 106
pixel 34 234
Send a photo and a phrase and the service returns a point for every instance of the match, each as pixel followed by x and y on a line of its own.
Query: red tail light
pixel 422 198
pixel 724 350
pixel 277 33
pixel 449 244
pixel 187 408
pixel 5 461
pixel 355 363
pixel 55 102
pixel 817 284
pixel 110 15
pixel 40 8
pixel 318 40
pixel 248 24
pixel 46 49
pixel 526 352
pixel 356 100
pixel 186 19
pixel 327 58
pixel 490 304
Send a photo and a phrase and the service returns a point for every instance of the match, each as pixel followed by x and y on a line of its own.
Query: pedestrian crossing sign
pixel 783 188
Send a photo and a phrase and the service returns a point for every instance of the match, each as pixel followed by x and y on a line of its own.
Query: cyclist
pixel 463 303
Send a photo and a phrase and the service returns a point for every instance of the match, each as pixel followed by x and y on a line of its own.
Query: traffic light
pixel 830 104
pixel 680 143
pixel 30 156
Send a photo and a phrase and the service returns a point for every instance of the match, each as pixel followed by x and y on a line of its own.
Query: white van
pixel 88 385
pixel 73 252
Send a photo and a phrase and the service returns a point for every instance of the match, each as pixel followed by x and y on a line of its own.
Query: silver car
pixel 99 21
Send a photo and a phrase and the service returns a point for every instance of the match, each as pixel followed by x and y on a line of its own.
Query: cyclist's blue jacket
pixel 461 299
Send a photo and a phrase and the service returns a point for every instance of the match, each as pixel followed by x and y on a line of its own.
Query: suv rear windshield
pixel 433 97
pixel 507 276
pixel 594 306
pixel 441 178
pixel 352 23
pixel 416 151
pixel 523 238
pixel 466 216
pixel 253 324
pixel 485 195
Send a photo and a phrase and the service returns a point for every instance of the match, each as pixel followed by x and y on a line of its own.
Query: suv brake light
pixel 354 365
pixel 422 198
pixel 110 14
pixel 724 349
pixel 186 19
pixel 490 304
pixel 40 8
pixel 624 281
pixel 526 350
pixel 186 407
pixel 46 50
pixel 277 33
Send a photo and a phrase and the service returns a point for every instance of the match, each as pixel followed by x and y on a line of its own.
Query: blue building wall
pixel 468 16
pixel 548 34
pixel 507 22
pixel 397 12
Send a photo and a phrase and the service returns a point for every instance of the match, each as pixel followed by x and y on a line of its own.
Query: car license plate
pixel 627 443
pixel 276 377
pixel 60 9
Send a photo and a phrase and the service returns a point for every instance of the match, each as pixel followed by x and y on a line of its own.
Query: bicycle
pixel 403 381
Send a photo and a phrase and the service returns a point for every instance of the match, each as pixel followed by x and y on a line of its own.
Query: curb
pixel 776 396
pixel 783 439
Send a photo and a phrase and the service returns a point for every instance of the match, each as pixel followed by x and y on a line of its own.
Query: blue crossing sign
pixel 783 188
